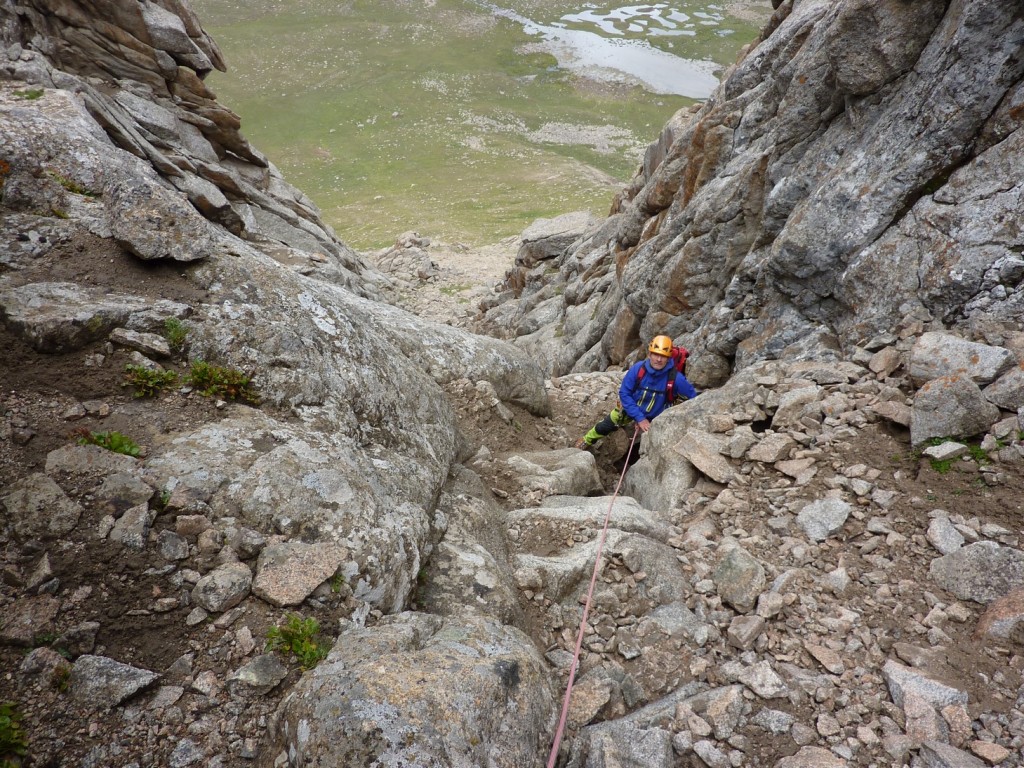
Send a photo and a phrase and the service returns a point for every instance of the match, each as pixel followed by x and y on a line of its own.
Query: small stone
pixel 993 754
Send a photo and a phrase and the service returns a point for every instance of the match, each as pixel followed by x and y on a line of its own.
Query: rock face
pixel 182 170
pixel 834 187
pixel 784 579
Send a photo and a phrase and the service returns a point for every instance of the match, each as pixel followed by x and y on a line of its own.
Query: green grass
pixel 13 740
pixel 149 383
pixel 219 381
pixel 392 116
pixel 112 441
pixel 175 332
pixel 300 639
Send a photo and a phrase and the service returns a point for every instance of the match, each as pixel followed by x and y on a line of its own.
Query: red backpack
pixel 679 355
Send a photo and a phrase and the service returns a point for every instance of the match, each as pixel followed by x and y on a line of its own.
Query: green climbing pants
pixel 614 420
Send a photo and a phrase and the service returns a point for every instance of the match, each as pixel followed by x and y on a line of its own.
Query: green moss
pixel 29 94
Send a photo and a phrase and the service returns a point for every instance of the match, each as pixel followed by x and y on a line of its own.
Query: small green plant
pixel 228 383
pixel 942 466
pixel 44 639
pixel 13 741
pixel 72 186
pixel 175 333
pixel 29 94
pixel 112 441
pixel 978 454
pixel 147 382
pixel 298 638
pixel 451 290
pixel 163 497
pixel 337 582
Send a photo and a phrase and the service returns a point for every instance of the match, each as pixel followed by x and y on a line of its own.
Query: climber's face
pixel 657 361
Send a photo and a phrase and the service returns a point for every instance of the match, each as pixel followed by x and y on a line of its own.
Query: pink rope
pixel 560 731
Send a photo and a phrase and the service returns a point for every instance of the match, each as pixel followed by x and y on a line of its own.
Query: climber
pixel 648 388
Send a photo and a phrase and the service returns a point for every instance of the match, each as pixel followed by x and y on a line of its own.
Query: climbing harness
pixel 559 732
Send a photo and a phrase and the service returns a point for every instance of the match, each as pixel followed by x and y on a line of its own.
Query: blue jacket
pixel 646 398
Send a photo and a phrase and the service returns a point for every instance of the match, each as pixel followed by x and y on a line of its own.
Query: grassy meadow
pixel 437 115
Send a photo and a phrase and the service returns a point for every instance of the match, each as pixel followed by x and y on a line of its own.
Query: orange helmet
pixel 661 345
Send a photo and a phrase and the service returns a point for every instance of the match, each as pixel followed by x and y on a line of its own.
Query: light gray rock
pixel 223 588
pixel 1008 390
pixel 546 238
pixel 257 677
pixel 87 461
pixel 147 343
pixel 773 720
pixel 102 683
pixel 950 406
pixel 470 569
pixel 823 518
pixel 936 754
pixel 944 536
pixel 771 448
pixel 121 491
pixel 982 572
pixel 795 405
pixel 945 451
pixel 186 752
pixel 764 681
pixel 629 515
pixel 711 755
pixel 567 472
pixel 704 451
pixel 132 528
pixel 739 579
pixel 616 743
pixel 435 692
pixel 36 507
pixel 812 757
pixel 936 355
pixel 905 680
pixel 60 317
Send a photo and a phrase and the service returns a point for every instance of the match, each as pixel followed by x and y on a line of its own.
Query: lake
pixel 464 120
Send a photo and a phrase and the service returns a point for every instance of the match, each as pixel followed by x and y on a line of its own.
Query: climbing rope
pixel 560 731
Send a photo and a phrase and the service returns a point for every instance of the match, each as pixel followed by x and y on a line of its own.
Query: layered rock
pixel 858 169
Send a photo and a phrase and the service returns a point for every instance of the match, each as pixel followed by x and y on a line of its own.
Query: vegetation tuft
pixel 147 382
pixel 60 679
pixel 112 441
pixel 175 332
pixel 227 383
pixel 300 639
pixel 72 186
pixel 29 94
pixel 13 741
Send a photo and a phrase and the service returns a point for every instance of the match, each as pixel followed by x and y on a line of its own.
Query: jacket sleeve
pixel 684 387
pixel 627 394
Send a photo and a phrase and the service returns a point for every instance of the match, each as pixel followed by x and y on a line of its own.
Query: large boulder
pixel 419 690
pixel 950 406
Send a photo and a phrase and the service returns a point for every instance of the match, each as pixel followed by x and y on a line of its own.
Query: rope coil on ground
pixel 560 731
